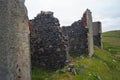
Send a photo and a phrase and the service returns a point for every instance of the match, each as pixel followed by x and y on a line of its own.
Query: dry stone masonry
pixel 97 31
pixel 77 36
pixel 51 44
pixel 80 35
pixel 48 45
pixel 14 42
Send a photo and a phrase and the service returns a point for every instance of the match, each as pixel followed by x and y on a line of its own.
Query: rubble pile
pixel 48 45
pixel 77 36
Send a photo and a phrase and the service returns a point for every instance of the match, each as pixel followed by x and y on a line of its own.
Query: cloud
pixel 68 11
pixel 111 24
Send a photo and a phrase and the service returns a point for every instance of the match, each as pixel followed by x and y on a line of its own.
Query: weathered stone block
pixel 14 42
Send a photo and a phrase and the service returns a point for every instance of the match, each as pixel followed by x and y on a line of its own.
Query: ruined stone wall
pixel 83 34
pixel 97 34
pixel 77 36
pixel 14 42
pixel 87 20
pixel 51 45
pixel 48 45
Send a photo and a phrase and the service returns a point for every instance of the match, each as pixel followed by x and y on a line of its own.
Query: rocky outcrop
pixel 77 36
pixel 48 45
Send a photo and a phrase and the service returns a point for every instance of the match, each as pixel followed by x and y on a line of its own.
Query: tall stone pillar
pixel 87 17
pixel 14 42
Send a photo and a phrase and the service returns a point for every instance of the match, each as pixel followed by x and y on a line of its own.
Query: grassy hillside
pixel 111 42
pixel 102 66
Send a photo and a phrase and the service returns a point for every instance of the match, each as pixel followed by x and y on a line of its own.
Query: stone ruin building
pixel 83 35
pixel 51 44
pixel 97 34
pixel 48 45
pixel 77 37
pixel 14 41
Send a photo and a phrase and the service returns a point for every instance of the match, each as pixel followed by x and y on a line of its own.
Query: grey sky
pixel 68 11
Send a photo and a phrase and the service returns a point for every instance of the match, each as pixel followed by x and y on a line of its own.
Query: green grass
pixel 111 42
pixel 102 66
pixel 115 33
